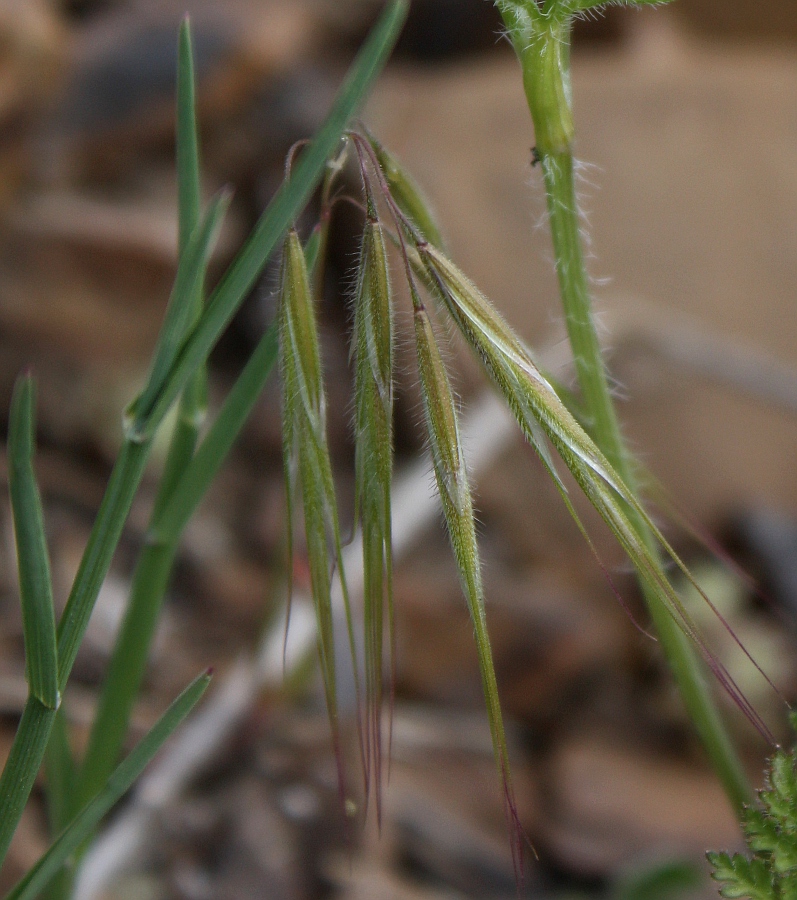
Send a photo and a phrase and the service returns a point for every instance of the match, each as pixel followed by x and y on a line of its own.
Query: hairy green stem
pixel 542 42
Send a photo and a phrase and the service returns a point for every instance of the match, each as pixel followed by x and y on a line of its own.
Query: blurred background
pixel 687 128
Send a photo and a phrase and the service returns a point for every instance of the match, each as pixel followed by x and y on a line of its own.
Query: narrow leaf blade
pixel 131 651
pixel 182 308
pixel 22 766
pixel 35 583
pixel 211 453
pixel 187 142
pixel 118 784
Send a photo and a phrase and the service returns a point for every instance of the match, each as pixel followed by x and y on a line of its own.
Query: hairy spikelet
pixel 539 412
pixel 306 457
pixel 452 483
pixel 373 356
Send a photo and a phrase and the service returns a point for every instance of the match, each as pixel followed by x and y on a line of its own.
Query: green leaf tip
pixel 181 313
pixel 35 582
pixel 187 139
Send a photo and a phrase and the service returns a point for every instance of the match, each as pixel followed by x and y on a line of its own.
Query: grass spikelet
pixel 373 355
pixel 307 462
pixel 452 484
pixel 538 410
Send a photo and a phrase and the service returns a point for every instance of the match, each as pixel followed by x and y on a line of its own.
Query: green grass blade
pixel 193 403
pixel 129 466
pixel 312 249
pixel 35 583
pixel 61 774
pixel 125 671
pixel 22 766
pixel 96 559
pixel 131 652
pixel 119 782
pixel 211 453
pixel 281 212
pixel 182 308
pixel 187 143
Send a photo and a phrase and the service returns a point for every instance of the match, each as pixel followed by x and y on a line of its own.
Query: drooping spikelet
pixel 306 458
pixel 540 412
pixel 372 349
pixel 452 483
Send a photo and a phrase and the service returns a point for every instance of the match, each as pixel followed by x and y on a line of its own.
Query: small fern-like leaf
pixel 788 886
pixel 761 830
pixel 781 798
pixel 771 834
pixel 741 877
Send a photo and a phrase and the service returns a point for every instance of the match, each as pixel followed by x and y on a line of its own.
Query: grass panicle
pixel 372 349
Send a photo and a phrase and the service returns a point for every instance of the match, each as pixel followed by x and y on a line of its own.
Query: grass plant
pixel 80 791
pixel 81 794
